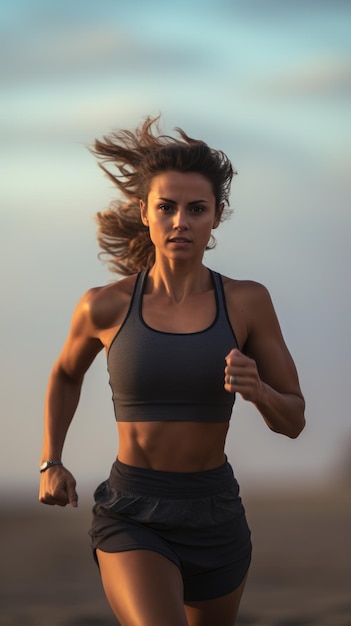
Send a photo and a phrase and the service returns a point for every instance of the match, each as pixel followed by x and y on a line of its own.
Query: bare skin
pixel 179 298
pixel 150 593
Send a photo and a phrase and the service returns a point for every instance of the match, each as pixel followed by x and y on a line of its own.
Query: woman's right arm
pixel 57 485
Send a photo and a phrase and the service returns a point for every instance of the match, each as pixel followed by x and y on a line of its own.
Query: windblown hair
pixel 139 156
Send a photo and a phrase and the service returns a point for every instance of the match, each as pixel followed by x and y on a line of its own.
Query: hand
pixel 245 378
pixel 58 486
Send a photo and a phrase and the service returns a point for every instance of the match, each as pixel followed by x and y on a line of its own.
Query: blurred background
pixel 268 82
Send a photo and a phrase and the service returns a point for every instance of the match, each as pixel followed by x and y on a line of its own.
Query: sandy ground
pixel 300 575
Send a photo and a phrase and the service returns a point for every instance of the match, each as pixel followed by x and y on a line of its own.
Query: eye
pixel 165 208
pixel 197 209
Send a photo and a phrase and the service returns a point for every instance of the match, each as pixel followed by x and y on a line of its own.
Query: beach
pixel 300 573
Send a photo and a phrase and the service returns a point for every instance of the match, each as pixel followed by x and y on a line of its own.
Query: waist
pixel 183 485
pixel 172 446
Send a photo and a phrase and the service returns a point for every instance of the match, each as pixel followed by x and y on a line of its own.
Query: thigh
pixel 143 588
pixel 222 610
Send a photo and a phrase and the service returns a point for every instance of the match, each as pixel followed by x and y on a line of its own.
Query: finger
pixel 233 374
pixel 236 364
pixel 233 354
pixel 233 380
pixel 73 498
pixel 53 500
pixel 48 501
pixel 70 489
pixel 61 495
pixel 232 383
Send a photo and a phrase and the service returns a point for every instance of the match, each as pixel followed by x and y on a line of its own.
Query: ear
pixel 143 213
pixel 218 216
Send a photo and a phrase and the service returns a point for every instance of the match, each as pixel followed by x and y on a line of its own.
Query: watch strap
pixel 44 466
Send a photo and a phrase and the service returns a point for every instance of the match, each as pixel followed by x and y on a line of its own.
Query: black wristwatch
pixel 44 466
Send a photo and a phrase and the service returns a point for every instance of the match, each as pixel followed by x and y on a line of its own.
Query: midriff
pixel 172 446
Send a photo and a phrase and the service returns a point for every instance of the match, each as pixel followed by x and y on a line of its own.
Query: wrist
pixel 45 465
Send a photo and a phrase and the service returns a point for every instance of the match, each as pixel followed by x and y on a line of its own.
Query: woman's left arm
pixel 266 374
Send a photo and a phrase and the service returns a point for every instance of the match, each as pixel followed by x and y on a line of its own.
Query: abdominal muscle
pixel 172 446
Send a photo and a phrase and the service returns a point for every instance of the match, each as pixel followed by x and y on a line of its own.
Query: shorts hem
pixel 133 549
pixel 220 591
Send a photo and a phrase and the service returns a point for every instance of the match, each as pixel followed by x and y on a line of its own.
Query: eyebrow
pixel 192 201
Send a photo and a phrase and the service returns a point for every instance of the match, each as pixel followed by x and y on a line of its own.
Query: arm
pixel 57 485
pixel 266 374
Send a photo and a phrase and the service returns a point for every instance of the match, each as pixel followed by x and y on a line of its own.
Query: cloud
pixel 276 9
pixel 69 51
pixel 320 76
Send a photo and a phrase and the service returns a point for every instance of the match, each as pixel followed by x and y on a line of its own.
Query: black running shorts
pixel 195 519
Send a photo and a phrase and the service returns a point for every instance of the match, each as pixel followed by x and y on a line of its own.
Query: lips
pixel 179 240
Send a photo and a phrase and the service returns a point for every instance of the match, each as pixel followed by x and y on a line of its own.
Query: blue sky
pixel 269 82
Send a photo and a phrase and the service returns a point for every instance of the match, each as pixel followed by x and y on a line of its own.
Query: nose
pixel 180 220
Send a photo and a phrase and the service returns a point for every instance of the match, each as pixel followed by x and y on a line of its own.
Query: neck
pixel 178 282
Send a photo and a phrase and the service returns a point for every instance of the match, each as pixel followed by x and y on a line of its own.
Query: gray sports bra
pixel 163 376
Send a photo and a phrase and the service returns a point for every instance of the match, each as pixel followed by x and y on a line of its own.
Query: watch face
pixel 47 464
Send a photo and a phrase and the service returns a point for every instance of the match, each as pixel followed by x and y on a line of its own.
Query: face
pixel 180 214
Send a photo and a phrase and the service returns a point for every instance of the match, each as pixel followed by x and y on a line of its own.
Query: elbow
pixel 293 426
pixel 297 430
pixel 291 430
pixel 299 422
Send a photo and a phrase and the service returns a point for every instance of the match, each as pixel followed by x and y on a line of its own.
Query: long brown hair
pixel 139 156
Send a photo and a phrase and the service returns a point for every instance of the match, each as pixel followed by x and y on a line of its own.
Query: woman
pixel 169 531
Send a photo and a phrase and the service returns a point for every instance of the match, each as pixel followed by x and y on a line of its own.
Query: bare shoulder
pixel 107 305
pixel 245 293
pixel 250 310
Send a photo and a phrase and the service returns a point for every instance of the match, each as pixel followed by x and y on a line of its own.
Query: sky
pixel 268 82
